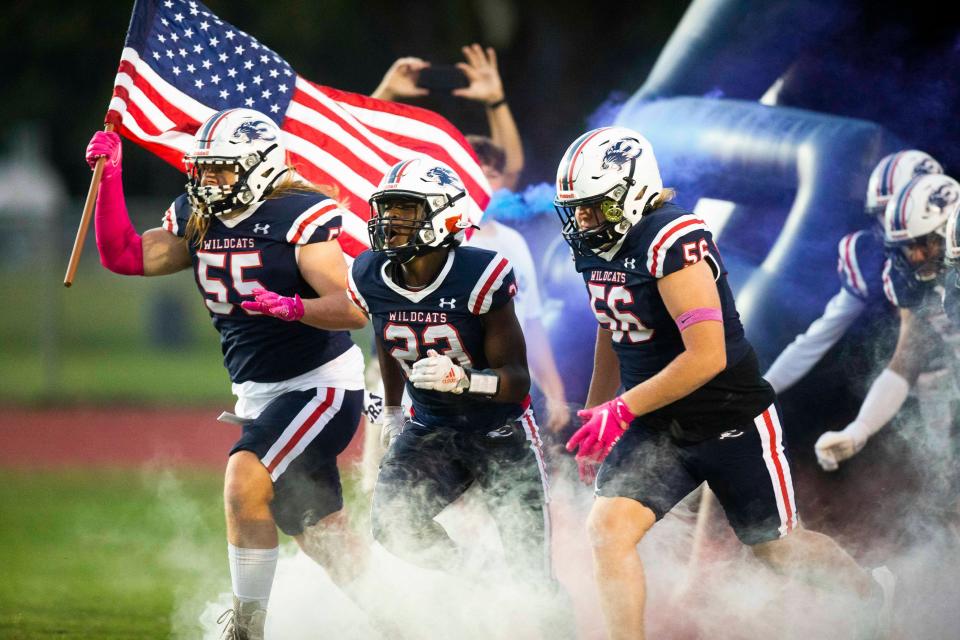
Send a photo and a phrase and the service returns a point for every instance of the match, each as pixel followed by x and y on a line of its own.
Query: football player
pixel 915 222
pixel 262 246
pixel 860 268
pixel 695 408
pixel 446 330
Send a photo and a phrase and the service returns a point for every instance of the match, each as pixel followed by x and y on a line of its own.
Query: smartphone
pixel 442 77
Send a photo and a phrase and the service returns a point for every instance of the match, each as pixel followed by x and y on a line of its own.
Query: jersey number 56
pixel 606 301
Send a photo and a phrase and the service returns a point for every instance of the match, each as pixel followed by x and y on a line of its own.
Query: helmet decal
pixel 944 196
pixel 442 176
pixel 621 152
pixel 253 130
pixel 927 165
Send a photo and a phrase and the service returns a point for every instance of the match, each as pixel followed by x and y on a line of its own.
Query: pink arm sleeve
pixel 121 249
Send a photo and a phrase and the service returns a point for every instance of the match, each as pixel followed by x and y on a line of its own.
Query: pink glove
pixel 276 305
pixel 120 247
pixel 602 427
pixel 107 144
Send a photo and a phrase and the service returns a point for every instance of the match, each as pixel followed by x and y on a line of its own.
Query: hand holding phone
pixel 442 77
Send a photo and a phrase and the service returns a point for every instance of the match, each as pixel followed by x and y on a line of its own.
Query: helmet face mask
pixel 923 258
pixel 599 225
pixel 420 206
pixel 243 141
pixel 613 171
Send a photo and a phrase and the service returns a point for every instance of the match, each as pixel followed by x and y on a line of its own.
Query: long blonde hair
pixel 291 184
pixel 666 195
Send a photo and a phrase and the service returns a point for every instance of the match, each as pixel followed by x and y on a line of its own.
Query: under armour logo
pixel 630 263
pixel 733 433
pixel 450 304
pixel 258 228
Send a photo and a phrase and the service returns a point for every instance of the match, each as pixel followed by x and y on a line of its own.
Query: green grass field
pixel 114 555
pixel 103 554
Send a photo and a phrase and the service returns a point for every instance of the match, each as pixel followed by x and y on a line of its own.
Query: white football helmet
pixel 613 168
pixel 894 171
pixel 952 250
pixel 244 140
pixel 918 214
pixel 436 204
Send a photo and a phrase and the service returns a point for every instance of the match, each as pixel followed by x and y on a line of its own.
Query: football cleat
pixel 245 621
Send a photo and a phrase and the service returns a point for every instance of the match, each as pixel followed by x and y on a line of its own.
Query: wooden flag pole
pixel 85 217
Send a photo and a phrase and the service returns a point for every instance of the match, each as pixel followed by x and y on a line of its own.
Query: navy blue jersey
pixel 904 291
pixel 624 296
pixel 259 250
pixel 446 316
pixel 860 264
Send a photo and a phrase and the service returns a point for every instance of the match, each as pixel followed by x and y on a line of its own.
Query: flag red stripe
pixel 167 154
pixel 134 110
pixel 184 122
pixel 306 100
pixel 350 245
pixel 326 182
pixel 432 149
pixel 407 111
pixel 334 148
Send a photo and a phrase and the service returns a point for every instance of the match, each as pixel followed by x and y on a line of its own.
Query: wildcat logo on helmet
pixel 944 196
pixel 927 165
pixel 622 152
pixel 253 130
pixel 442 176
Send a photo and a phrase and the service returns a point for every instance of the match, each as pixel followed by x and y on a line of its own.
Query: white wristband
pixel 392 414
pixel 484 383
pixel 887 394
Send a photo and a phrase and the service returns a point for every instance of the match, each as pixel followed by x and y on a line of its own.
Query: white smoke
pixel 725 595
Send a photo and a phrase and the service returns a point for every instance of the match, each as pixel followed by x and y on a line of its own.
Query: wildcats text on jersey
pixel 596 275
pixel 223 244
pixel 417 316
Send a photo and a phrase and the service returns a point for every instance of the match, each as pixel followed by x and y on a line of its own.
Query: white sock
pixel 251 571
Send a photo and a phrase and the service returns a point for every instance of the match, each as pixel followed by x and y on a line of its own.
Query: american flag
pixel 181 64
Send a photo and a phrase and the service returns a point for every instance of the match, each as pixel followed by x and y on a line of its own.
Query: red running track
pixel 120 437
